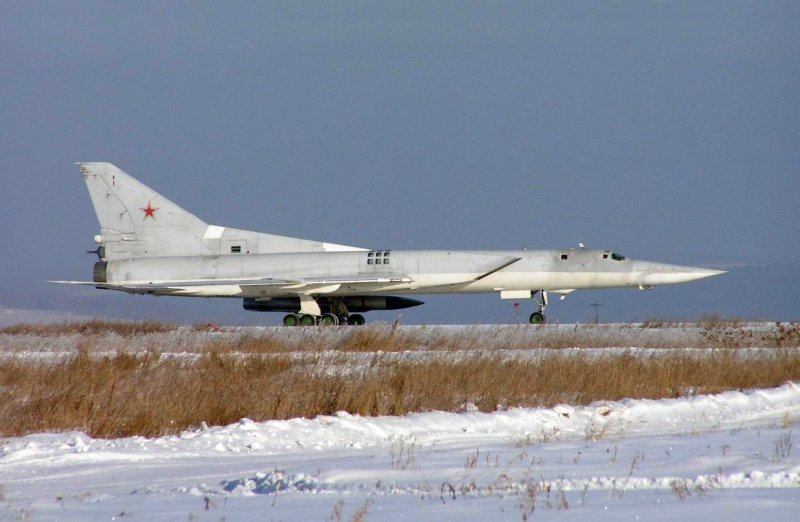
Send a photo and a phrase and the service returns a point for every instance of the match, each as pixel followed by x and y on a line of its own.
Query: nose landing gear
pixel 539 317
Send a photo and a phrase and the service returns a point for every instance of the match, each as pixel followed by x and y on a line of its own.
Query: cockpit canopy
pixel 613 255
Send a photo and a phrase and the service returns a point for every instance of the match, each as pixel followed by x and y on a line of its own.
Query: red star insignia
pixel 149 211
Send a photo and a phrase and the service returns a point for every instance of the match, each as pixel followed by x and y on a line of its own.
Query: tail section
pixel 136 221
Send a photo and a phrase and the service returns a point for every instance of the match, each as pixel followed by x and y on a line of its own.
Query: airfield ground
pixel 149 421
pixel 123 379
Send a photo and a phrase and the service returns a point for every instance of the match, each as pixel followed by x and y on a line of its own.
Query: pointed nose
pixel 663 274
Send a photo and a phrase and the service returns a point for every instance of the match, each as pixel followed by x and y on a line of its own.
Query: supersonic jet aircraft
pixel 149 245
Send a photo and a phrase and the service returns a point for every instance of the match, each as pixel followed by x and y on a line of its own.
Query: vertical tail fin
pixel 137 221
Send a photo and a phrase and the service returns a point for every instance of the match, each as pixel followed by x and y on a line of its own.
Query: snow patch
pixel 270 483
pixel 734 450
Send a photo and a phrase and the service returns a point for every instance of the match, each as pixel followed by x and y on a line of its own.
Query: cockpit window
pixel 617 257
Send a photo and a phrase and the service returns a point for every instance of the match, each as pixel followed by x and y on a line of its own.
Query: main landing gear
pixel 311 313
pixel 539 317
pixel 328 319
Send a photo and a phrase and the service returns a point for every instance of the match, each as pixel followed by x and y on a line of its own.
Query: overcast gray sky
pixel 664 130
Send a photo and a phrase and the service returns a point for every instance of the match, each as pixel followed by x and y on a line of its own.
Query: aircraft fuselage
pixel 404 272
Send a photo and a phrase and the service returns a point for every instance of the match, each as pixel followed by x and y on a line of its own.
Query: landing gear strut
pixel 539 317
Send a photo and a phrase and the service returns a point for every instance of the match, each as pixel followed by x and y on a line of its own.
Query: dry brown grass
pixel 283 373
pixel 92 327
pixel 391 339
pixel 725 335
pixel 710 332
pixel 148 395
pixel 255 344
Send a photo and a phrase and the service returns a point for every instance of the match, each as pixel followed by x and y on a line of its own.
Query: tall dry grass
pixel 91 327
pixel 149 395
pixel 105 335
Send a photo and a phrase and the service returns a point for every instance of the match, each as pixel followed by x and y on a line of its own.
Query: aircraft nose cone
pixel 702 273
pixel 663 274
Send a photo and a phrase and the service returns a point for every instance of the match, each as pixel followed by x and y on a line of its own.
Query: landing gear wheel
pixel 356 320
pixel 328 320
pixel 291 320
pixel 538 318
pixel 308 320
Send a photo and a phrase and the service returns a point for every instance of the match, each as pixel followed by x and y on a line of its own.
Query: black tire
pixel 538 318
pixel 356 320
pixel 328 320
pixel 308 320
pixel 291 320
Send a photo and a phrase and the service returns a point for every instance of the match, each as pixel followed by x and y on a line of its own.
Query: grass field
pixel 121 379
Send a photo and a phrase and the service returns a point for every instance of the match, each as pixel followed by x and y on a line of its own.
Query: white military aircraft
pixel 149 245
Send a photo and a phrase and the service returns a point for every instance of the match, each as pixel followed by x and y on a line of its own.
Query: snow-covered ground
pixel 732 456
